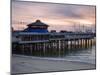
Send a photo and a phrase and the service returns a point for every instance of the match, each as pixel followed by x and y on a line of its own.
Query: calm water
pixel 83 55
pixel 86 55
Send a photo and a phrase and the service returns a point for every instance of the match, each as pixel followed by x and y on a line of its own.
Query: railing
pixel 39 37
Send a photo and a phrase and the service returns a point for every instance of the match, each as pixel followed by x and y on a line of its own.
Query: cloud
pixel 52 14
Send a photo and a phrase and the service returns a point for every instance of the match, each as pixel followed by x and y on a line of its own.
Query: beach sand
pixel 30 64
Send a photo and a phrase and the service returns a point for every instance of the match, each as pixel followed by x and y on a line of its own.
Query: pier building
pixel 38 41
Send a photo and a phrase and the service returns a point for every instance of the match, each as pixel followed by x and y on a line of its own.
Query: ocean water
pixel 87 55
pixel 84 55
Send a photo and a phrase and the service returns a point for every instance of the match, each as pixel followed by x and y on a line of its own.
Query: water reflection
pixel 83 48
pixel 62 50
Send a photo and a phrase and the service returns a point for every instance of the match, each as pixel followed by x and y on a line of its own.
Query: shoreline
pixel 29 64
pixel 50 58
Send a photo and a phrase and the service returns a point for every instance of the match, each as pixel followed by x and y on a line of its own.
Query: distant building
pixel 63 31
pixel 53 31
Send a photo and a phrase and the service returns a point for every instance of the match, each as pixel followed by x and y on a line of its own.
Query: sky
pixel 58 16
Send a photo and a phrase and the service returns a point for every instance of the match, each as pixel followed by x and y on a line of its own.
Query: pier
pixel 37 41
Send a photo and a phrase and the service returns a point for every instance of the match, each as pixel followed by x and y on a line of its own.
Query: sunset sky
pixel 57 16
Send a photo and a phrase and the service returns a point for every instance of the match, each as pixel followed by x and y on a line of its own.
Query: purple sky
pixel 57 16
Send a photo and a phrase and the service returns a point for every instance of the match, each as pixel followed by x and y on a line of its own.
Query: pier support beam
pixel 81 43
pixel 31 49
pixel 23 49
pixel 44 49
pixel 70 44
pixel 86 43
pixel 75 43
pixel 78 43
pixel 91 42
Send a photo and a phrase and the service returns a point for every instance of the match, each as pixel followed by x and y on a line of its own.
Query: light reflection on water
pixel 82 55
pixel 79 52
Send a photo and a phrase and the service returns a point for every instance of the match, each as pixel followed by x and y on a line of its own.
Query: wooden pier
pixel 38 41
pixel 51 44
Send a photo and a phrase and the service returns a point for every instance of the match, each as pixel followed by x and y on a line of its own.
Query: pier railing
pixel 36 37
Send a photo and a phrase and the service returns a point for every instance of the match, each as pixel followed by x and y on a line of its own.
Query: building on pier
pixel 36 32
pixel 37 27
pixel 37 39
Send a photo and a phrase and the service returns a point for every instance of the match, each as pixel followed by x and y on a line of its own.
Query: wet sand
pixel 30 64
